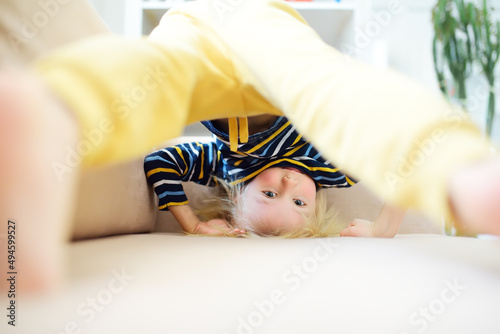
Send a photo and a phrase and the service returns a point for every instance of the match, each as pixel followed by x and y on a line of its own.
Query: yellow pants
pixel 214 58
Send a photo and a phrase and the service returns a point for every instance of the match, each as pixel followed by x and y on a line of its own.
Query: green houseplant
pixel 465 36
pixel 487 37
pixel 453 46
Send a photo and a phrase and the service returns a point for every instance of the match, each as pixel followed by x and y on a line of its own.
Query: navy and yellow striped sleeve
pixel 166 169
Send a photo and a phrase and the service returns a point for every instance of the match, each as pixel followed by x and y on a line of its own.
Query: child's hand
pixel 216 227
pixel 192 224
pixel 359 228
pixel 385 226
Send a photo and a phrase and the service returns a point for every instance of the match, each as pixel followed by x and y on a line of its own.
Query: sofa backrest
pixel 29 28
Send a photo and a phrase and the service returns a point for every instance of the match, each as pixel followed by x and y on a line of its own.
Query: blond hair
pixel 227 202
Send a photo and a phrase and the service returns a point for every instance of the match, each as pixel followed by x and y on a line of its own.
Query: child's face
pixel 278 200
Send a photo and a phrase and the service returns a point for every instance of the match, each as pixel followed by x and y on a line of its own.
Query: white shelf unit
pixel 334 21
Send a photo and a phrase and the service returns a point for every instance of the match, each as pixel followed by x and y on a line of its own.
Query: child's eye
pixel 269 194
pixel 298 202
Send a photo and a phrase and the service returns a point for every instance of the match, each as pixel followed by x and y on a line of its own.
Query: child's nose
pixel 289 179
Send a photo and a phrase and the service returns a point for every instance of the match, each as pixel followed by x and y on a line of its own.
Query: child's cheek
pixel 309 187
pixel 267 177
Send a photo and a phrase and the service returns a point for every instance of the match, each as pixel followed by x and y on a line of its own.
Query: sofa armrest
pixel 29 28
pixel 114 200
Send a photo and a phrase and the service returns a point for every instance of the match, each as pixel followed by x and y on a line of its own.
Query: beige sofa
pixel 156 280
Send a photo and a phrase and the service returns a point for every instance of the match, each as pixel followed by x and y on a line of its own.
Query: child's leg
pixel 35 131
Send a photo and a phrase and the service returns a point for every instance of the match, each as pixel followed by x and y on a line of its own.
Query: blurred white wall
pixel 112 12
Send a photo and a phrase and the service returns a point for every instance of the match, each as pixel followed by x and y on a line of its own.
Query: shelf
pixel 322 5
pixel 319 5
pixel 160 4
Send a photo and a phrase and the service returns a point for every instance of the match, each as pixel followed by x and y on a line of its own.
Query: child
pixel 275 171
pixel 205 62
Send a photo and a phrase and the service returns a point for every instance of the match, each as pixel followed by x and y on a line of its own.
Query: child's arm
pixel 385 226
pixel 166 170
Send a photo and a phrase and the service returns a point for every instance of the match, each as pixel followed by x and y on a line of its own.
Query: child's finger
pixel 353 231
pixel 351 224
pixel 347 232
pixel 237 231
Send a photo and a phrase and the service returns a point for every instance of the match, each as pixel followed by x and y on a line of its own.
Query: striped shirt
pixel 279 146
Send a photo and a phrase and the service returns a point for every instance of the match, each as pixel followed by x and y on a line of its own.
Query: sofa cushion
pixel 158 283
